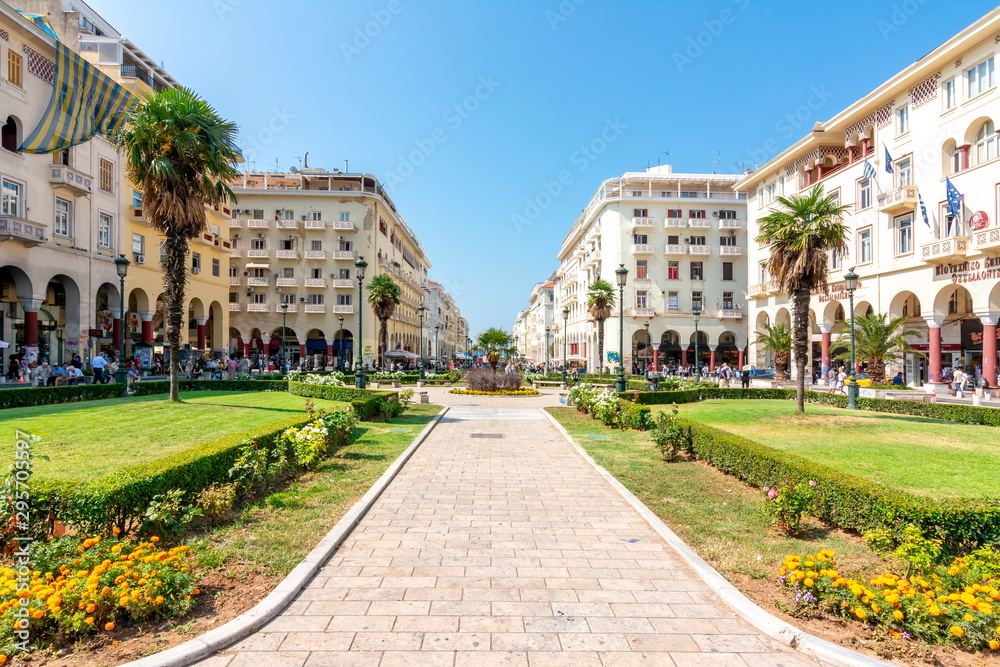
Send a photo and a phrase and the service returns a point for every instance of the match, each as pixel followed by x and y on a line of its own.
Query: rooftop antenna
pixel 740 166
pixel 346 170
pixel 277 165
pixel 667 153
pixel 305 160
pixel 716 161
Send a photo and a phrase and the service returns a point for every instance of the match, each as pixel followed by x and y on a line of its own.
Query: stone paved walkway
pixel 498 545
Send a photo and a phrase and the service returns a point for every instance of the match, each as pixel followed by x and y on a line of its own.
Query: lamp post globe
pixel 359 362
pixel 121 266
pixel 851 284
pixel 696 315
pixel 565 314
pixel 621 277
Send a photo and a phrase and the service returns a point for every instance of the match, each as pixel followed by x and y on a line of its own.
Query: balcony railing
pixel 343 225
pixel 988 240
pixel 234 223
pixel 75 181
pixel 286 282
pixel 137 72
pixel 945 251
pixel 257 308
pixel 341 254
pixel 342 282
pixel 730 250
pixel 699 250
pixel 675 223
pixel 234 307
pixel 730 223
pixel 343 310
pixel 643 312
pixel 315 254
pixel 234 280
pixel 900 200
pixel 257 282
pixel 287 254
pixel 699 223
pixel 315 224
pixel 235 253
pixel 759 290
pixel 730 314
pixel 315 282
pixel 259 224
pixel 18 229
pixel 643 248
pixel 288 308
pixel 316 308
pixel 676 250
pixel 643 222
pixel 287 224
pixel 257 252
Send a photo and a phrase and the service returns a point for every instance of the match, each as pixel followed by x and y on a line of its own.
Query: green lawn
pixel 92 438
pixel 930 457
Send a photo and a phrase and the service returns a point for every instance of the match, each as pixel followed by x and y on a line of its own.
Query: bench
pixel 420 397
pixel 537 384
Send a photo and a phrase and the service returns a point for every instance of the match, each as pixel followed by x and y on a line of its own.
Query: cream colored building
pixel 445 329
pixel 682 238
pixel 295 239
pixel 529 329
pixel 935 121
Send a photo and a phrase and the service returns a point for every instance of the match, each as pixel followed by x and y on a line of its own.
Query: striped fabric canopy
pixel 84 101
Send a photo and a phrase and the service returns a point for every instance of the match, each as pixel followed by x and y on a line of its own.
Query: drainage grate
pixel 492 436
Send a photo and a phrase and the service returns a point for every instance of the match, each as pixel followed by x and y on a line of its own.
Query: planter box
pixel 889 394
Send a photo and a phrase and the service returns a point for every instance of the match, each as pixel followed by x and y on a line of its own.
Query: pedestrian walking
pixel 958 380
pixel 97 364
pixel 745 377
pixel 841 378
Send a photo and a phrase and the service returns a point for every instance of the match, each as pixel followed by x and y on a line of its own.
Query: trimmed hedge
pixel 848 501
pixel 31 396
pixel 661 397
pixel 364 402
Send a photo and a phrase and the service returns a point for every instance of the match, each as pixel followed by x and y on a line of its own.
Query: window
pixel 728 240
pixel 288 298
pixel 834 259
pixel 673 301
pixel 216 267
pixel 63 224
pixel 696 214
pixel 768 193
pixel 640 270
pixel 696 240
pixel 345 274
pixel 640 213
pixel 904 172
pixel 106 174
pixel 139 244
pixel 980 77
pixel 315 245
pixel 61 157
pixel 257 297
pixel 105 224
pixel 904 235
pixel 949 94
pixel 762 272
pixel 640 239
pixel 288 244
pixel 288 214
pixel 781 186
pixel 345 216
pixel 675 213
pixel 316 274
pixel 258 273
pixel 727 215
pixel 986 143
pixel 10 140
pixel 637 193
pixel 673 239
pixel 696 271
pixel 865 245
pixel 137 199
pixel 864 194
pixel 234 297
pixel 903 119
pixel 234 272
pixel 317 299
pixel 673 270
pixel 288 272
pixel 956 161
pixel 196 262
pixel 258 214
pixel 344 299
pixel 640 299
pixel 14 68
pixel 317 215
pixel 727 301
pixel 727 271
pixel 696 301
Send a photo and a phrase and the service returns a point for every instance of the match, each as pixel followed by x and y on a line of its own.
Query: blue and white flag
pixel 869 170
pixel 923 209
pixel 954 199
pixel 888 160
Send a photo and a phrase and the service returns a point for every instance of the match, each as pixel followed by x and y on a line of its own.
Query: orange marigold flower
pixel 89 620
pixel 154 538
pixel 109 626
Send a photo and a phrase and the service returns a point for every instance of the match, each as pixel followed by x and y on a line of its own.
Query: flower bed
pixel 606 406
pixel 512 392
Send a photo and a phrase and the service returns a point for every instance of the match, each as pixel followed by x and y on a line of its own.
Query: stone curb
pixel 223 636
pixel 767 623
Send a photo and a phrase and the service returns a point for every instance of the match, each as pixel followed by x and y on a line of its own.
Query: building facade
pixel 532 322
pixel 445 330
pixel 682 238
pixel 890 156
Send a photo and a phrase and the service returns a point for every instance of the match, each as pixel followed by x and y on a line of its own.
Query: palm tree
pixel 800 236
pixel 180 153
pixel 492 342
pixel 383 295
pixel 878 340
pixel 777 339
pixel 600 300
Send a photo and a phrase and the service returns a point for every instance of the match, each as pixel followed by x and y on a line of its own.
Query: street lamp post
pixel 420 310
pixel 547 330
pixel 851 284
pixel 284 320
pixel 645 357
pixel 359 365
pixel 437 350
pixel 121 266
pixel 621 276
pixel 696 315
pixel 340 345
pixel 565 312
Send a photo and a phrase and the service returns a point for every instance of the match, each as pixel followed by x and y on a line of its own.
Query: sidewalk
pixel 498 544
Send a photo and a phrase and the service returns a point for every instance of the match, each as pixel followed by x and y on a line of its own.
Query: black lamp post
pixel 547 330
pixel 340 346
pixel 437 350
pixel 621 276
pixel 565 312
pixel 420 310
pixel 645 357
pixel 851 284
pixel 468 350
pixel 121 266
pixel 284 320
pixel 696 315
pixel 359 365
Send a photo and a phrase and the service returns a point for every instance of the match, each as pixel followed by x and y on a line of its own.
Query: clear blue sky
pixel 710 82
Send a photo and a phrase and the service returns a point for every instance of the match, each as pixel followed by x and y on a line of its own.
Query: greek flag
pixel 954 199
pixel 869 170
pixel 888 160
pixel 84 102
pixel 923 209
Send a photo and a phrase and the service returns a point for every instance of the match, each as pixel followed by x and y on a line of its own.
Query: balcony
pixel 235 253
pixel 730 223
pixel 342 283
pixel 257 308
pixel 761 290
pixel 675 223
pixel 676 250
pixel 343 310
pixel 730 314
pixel 900 200
pixel 343 225
pixel 988 241
pixel 643 248
pixel 945 251
pixel 315 282
pixel 643 312
pixel 730 250
pixel 699 250
pixel 234 223
pixel 699 223
pixel 642 223
pixel 17 229
pixel 137 72
pixel 286 282
pixel 256 252
pixel 70 179
pixel 257 282
pixel 337 254
pixel 315 224
pixel 234 280
pixel 319 308
pixel 287 224
pixel 287 254
pixel 257 224
pixel 315 254
pixel 234 308
pixel 288 308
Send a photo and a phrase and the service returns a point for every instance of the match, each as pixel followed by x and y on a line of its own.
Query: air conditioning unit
pixel 196 270
pixel 715 214
pixel 291 236
pixel 237 236
pixel 140 259
pixel 261 235
pixel 732 232
pixel 687 240
pixel 305 217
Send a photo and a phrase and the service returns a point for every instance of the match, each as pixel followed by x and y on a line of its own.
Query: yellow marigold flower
pixel 38 613
pixel 935 610
pixel 89 620
pixel 154 539
pixel 861 613
pixel 90 608
pixel 994 644
pixel 898 615
pixel 876 608
pixel 957 631
pixel 968 618
pixel 123 600
pixel 808 583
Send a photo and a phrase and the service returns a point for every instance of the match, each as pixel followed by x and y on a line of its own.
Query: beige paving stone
pixel 317 641
pixel 492 624
pixel 361 624
pixel 525 641
pixel 343 659
pixel 658 642
pixel 400 608
pixel 417 659
pixel 564 659
pixel 456 641
pixel 491 659
pixel 274 659
pixel 426 624
pixel 593 641
pixel 629 658
pixel 387 641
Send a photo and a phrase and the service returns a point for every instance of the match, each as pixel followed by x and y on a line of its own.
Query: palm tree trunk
pixel 780 366
pixel 174 281
pixel 600 346
pixel 383 337
pixel 800 342
pixel 876 370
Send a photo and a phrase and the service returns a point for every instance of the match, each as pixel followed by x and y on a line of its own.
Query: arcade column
pixel 934 348
pixel 989 321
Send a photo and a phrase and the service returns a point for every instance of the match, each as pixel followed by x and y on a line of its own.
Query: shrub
pixel 216 501
pixel 481 379
pixel 391 407
pixel 635 417
pixel 670 437
pixel 308 443
pixel 787 503
pixel 364 402
pixel 30 396
pixel 661 397
pixel 340 424
pixel 168 515
pixel 313 378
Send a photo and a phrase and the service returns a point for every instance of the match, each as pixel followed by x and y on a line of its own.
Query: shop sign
pixel 979 221
pixel 970 272
pixel 836 292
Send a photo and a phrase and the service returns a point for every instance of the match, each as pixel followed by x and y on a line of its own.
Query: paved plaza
pixel 497 544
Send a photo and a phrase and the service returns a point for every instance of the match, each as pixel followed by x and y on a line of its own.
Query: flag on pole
pixel 954 199
pixel 869 170
pixel 923 209
pixel 888 160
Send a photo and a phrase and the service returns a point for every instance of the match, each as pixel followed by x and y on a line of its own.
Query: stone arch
pixel 763 320
pixel 994 298
pixel 952 300
pixel 947 152
pixel 863 308
pixel 215 324
pixel 783 316
pixel 138 300
pixel 11 134
pixel 22 283
pixel 905 304
pixel 62 301
pixel 973 128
